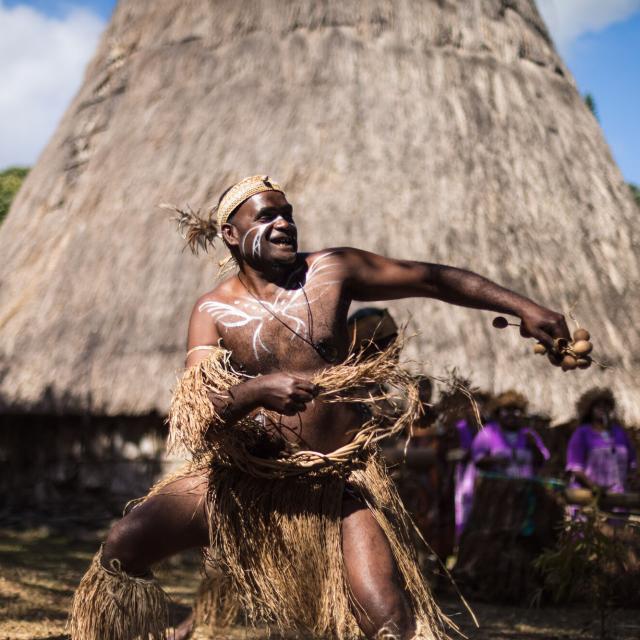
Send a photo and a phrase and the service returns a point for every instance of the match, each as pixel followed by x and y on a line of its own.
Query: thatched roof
pixel 447 131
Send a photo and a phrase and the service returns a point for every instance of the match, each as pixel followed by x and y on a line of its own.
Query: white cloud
pixel 42 61
pixel 569 19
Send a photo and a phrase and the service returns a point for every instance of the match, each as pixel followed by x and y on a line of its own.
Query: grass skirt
pixel 279 544
pixel 275 523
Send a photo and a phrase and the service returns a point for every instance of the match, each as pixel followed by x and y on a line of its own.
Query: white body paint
pixel 290 305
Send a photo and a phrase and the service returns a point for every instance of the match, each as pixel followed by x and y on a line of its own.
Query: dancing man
pixel 304 523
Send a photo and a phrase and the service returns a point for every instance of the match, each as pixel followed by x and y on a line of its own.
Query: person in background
pixel 505 445
pixel 466 430
pixel 600 454
pixel 511 515
pixel 420 465
pixel 371 329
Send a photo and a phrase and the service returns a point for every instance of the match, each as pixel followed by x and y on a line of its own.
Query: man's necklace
pixel 326 353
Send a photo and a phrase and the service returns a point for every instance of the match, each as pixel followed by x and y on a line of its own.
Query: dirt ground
pixel 39 569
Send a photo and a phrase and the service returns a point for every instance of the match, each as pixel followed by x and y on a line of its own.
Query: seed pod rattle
pixel 569 355
pixel 566 355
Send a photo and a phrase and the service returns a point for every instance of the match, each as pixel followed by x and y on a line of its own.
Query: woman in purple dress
pixel 506 446
pixel 466 429
pixel 503 446
pixel 600 454
pixel 504 530
pixel 463 479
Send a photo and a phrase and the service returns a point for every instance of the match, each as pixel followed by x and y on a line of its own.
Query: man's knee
pixel 388 613
pixel 124 544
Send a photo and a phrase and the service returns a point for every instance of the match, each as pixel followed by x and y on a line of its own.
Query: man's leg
pixel 118 597
pixel 168 522
pixel 381 603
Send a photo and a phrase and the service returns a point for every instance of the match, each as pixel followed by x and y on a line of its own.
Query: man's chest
pixel 291 331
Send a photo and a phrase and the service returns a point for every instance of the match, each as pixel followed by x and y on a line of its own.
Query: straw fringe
pixel 197 426
pixel 279 541
pixel 111 605
pixel 192 412
pixel 275 523
pixel 217 606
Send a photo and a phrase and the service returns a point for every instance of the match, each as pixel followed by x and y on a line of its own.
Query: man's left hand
pixel 543 325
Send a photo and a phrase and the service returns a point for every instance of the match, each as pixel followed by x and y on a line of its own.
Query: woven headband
pixel 241 192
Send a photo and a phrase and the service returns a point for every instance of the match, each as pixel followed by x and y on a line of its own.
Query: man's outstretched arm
pixel 372 277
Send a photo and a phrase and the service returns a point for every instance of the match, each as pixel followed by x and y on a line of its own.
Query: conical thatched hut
pixel 448 131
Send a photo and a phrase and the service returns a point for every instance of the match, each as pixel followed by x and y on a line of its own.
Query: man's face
pixel 263 230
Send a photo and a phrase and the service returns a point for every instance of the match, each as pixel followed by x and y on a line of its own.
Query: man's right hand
pixel 284 393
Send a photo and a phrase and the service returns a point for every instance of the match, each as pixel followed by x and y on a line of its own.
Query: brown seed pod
pixel 584 363
pixel 581 347
pixel 539 349
pixel 581 334
pixel 568 363
pixel 500 322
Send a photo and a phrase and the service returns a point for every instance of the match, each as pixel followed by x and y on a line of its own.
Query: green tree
pixel 10 181
pixel 590 101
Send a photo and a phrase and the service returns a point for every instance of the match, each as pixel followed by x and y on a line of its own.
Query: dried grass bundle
pixel 457 400
pixel 111 605
pixel 192 413
pixel 198 232
pixel 195 423
pixel 217 605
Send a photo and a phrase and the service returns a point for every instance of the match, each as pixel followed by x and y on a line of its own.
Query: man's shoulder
pixel 336 255
pixel 219 294
pixel 485 434
pixel 619 432
pixel 311 256
pixel 581 433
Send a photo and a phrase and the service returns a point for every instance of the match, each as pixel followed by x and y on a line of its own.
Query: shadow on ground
pixel 40 568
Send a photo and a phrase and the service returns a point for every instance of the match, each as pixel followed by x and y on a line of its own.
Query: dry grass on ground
pixel 39 570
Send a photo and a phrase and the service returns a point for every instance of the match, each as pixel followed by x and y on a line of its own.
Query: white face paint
pixel 256 246
pixel 290 305
pixel 258 232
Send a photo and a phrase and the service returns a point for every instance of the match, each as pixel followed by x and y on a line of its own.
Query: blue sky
pixel 598 39
pixel 60 8
pixel 607 65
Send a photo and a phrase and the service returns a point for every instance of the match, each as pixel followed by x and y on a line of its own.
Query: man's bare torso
pixel 299 328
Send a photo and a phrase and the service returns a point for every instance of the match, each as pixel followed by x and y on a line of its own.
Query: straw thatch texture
pixel 448 131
